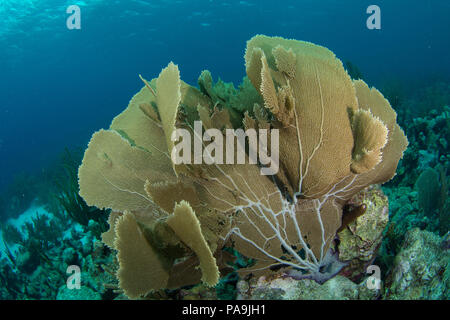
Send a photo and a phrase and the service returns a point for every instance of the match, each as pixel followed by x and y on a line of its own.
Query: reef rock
pixel 360 240
pixel 421 269
pixel 337 288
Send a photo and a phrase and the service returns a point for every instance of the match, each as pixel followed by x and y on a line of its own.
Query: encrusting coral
pixel 170 221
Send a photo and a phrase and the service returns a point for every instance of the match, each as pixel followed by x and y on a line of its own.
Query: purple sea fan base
pixel 329 268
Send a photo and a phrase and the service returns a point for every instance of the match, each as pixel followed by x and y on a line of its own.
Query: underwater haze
pixel 59 85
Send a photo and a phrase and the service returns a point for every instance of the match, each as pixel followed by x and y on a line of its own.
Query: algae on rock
pixel 421 269
pixel 361 239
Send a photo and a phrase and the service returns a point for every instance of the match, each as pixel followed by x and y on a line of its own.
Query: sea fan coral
pixel 170 221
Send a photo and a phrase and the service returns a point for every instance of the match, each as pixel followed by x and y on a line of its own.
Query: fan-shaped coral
pixel 170 221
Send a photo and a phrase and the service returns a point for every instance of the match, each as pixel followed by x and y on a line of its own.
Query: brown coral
pixel 336 137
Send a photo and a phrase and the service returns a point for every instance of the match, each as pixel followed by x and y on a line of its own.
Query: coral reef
pixel 84 293
pixel 433 199
pixel 414 263
pixel 428 147
pixel 360 240
pixel 41 251
pixel 421 269
pixel 418 194
pixel 336 137
pixel 337 288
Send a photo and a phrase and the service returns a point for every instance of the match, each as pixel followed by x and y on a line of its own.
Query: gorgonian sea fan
pixel 169 222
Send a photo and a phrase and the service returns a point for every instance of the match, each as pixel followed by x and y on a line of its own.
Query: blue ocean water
pixel 59 85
